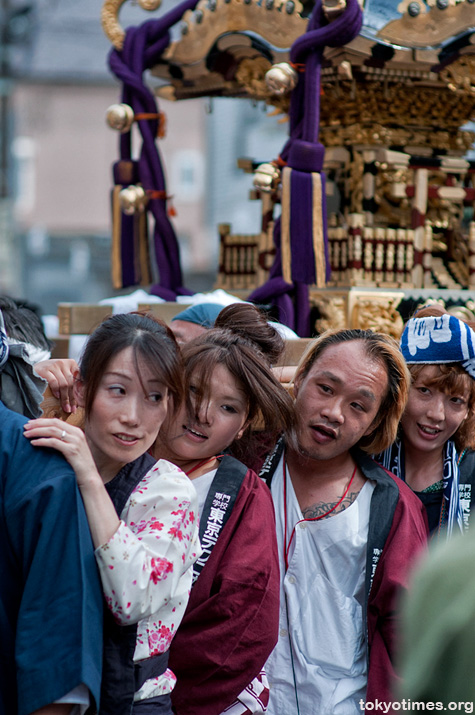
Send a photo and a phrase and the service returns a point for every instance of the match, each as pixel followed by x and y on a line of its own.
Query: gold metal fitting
pixel 281 78
pixel 333 8
pixel 120 117
pixel 266 178
pixel 132 200
pixel 150 4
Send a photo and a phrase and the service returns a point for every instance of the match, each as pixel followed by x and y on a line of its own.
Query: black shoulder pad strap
pixel 121 487
pixel 218 506
pixel 271 462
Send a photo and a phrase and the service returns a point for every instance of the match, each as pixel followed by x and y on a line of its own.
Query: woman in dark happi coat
pixel 231 622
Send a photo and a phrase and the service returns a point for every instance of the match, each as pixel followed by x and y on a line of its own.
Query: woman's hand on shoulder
pixel 60 374
pixel 67 439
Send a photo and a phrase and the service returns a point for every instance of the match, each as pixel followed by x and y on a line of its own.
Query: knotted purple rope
pixel 304 154
pixel 142 46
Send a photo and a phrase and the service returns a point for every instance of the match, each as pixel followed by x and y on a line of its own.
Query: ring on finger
pixel 63 435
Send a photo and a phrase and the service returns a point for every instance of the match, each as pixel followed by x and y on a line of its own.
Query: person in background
pixel 194 321
pixel 23 324
pixel 347 530
pixel 434 453
pixel 142 514
pixel 21 390
pixel 438 628
pixel 50 594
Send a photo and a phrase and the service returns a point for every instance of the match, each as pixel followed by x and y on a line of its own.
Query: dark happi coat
pixel 230 625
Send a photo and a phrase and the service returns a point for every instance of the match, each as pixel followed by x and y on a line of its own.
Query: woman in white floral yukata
pixel 141 512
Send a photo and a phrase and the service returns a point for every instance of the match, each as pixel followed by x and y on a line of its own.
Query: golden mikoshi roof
pixel 409 76
pixel 223 45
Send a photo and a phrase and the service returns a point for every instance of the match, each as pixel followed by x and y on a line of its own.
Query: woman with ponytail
pixel 230 624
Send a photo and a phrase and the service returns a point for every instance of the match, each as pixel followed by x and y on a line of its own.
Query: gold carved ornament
pixel 110 19
pixel 332 313
pixel 460 75
pixel 396 113
pixel 378 316
pixel 355 183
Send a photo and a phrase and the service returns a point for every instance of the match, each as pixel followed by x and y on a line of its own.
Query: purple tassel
pixel 301 239
pixel 304 241
pixel 130 257
pixel 142 46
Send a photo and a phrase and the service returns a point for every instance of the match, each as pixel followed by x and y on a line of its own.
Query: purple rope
pixel 304 153
pixel 150 170
pixel 142 45
pixel 302 309
pixel 337 33
pixel 272 288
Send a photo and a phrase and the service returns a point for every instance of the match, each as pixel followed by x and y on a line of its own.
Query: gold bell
pixel 132 200
pixel 266 178
pixel 120 117
pixel 281 78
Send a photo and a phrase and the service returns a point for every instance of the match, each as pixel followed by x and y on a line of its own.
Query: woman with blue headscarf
pixel 434 451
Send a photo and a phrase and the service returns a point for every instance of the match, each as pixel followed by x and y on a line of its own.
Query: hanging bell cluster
pixel 132 200
pixel 281 79
pixel 120 117
pixel 266 178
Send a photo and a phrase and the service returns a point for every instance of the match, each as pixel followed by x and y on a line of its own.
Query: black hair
pixel 152 342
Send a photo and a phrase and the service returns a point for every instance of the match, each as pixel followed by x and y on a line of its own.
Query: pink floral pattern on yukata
pixel 146 566
pixel 160 637
pixel 160 569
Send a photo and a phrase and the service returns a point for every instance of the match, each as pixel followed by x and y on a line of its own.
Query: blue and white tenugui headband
pixel 439 340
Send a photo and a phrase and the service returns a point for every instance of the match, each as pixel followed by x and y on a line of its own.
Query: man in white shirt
pixel 345 528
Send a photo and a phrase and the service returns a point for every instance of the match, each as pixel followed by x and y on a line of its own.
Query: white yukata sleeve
pixel 155 544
